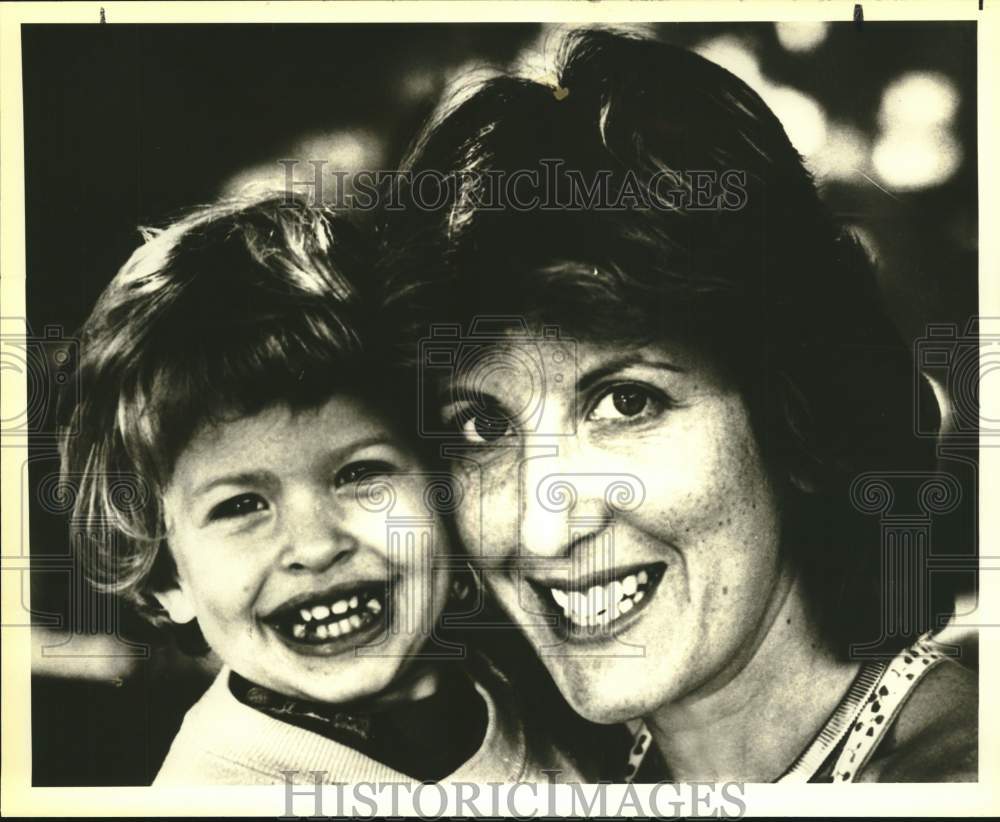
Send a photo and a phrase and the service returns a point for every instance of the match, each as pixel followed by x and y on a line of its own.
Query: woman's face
pixel 627 493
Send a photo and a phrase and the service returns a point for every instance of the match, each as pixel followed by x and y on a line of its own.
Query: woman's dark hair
pixel 235 307
pixel 658 197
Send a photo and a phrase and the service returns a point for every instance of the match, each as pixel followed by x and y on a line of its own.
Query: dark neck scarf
pixel 427 739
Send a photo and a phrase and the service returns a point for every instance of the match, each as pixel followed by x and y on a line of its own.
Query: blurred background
pixel 125 126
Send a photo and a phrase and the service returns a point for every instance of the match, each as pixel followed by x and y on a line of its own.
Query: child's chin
pixel 341 687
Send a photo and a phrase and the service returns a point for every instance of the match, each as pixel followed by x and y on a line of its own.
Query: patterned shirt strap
pixel 641 741
pixel 894 688
pixel 837 726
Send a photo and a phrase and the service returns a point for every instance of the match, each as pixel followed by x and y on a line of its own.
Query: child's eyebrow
pixel 256 478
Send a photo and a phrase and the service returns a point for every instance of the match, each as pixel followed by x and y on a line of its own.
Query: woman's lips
pixel 594 609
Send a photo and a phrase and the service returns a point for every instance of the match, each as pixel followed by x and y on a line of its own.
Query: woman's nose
pixel 316 537
pixel 561 503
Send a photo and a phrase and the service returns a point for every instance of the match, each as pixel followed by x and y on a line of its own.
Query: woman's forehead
pixel 515 359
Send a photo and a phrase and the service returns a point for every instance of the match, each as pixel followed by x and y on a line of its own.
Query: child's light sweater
pixel 224 742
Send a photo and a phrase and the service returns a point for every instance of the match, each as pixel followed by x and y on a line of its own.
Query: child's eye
pixel 238 506
pixel 628 401
pixel 357 471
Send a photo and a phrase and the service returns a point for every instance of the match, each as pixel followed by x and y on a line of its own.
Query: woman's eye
pixel 238 506
pixel 484 425
pixel 357 471
pixel 629 401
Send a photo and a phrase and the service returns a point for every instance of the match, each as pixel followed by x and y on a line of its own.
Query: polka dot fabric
pixel 882 705
pixel 641 739
pixel 856 728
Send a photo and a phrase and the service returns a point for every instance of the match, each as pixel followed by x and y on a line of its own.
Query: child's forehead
pixel 348 411
pixel 283 430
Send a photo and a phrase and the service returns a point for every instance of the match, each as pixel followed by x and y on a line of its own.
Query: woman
pixel 690 325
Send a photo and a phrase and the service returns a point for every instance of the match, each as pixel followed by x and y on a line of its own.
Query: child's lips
pixel 336 616
pixel 328 596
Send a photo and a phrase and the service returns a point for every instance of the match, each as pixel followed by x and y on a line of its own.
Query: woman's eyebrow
pixel 610 367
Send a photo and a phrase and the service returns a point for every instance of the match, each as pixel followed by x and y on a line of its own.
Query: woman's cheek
pixel 489 513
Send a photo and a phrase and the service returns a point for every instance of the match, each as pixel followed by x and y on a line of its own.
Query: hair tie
pixel 552 82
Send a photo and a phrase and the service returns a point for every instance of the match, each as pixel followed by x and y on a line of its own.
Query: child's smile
pixel 305 549
pixel 334 620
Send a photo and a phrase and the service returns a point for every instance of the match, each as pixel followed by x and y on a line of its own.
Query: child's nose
pixel 317 540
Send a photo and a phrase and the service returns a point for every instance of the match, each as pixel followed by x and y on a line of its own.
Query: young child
pixel 288 523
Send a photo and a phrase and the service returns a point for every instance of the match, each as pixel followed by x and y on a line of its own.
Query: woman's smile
pixel 601 607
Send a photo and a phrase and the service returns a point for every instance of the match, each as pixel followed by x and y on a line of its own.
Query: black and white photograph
pixel 595 409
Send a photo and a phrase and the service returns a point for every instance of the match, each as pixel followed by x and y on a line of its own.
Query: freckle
pixel 725 589
pixel 788 621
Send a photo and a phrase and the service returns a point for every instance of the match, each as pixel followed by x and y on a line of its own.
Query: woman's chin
pixel 611 698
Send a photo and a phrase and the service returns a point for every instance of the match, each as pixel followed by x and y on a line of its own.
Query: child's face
pixel 282 549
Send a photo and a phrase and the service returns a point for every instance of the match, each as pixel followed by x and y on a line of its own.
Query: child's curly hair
pixel 234 307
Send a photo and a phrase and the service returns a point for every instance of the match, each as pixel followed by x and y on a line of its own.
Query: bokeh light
pixel 918 99
pixel 735 55
pixel 911 159
pixel 803 118
pixel 844 154
pixel 419 84
pixel 348 150
pixel 804 36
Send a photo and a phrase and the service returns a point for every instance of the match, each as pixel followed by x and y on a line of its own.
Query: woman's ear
pixel 175 601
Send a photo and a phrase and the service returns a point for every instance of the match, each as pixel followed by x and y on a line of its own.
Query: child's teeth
pixel 638 597
pixel 577 603
pixel 322 622
pixel 630 585
pixel 615 593
pixel 625 606
pixel 561 598
pixel 643 577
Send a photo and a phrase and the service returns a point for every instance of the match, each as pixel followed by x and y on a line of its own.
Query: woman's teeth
pixel 324 622
pixel 600 604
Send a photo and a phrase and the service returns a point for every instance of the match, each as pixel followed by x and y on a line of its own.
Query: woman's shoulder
pixel 935 737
